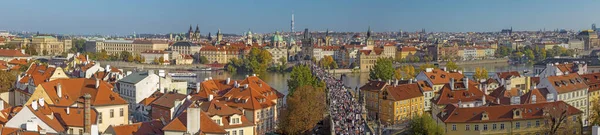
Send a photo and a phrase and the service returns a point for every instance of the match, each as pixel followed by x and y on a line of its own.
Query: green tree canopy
pixel 425 125
pixel 301 76
pixel 203 60
pixel 382 70
pixel 452 66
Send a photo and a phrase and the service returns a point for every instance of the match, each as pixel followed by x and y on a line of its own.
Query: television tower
pixel 292 25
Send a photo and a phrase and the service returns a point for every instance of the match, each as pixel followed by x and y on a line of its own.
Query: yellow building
pixel 570 88
pixel 50 45
pixel 593 81
pixel 118 46
pixel 371 95
pixel 513 79
pixel 404 52
pixel 220 54
pixel 400 103
pixel 367 58
pixel 507 119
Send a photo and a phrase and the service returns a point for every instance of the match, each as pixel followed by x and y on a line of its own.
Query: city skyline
pixel 126 17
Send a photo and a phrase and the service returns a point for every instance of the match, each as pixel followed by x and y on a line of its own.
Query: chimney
pixel 87 118
pixel 107 69
pixel 68 110
pixel 23 51
pixel 209 78
pixel 1 104
pixel 253 74
pixel 193 118
pixel 59 90
pixel 247 76
pixel 97 83
pixel 444 68
pixel 396 83
pixel 451 83
pixel 235 84
pixel 87 57
pixel 533 87
pixel 34 105
pixel 198 87
pixel 41 102
pixel 245 86
pixel 483 100
pixel 210 97
pixel 228 80
pixel 466 83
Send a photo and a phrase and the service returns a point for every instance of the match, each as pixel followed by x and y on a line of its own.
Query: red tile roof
pixel 403 92
pixel 153 127
pixel 12 53
pixel 74 89
pixel 592 80
pixel 460 94
pixel 567 83
pixel 507 75
pixel 438 76
pixel 454 114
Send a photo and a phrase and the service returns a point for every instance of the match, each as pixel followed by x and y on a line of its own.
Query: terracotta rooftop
pixel 12 53
pixel 403 92
pixel 592 80
pixel 153 127
pixel 460 94
pixel 454 114
pixel 438 76
pixel 74 89
pixel 507 75
pixel 374 86
pixel 567 83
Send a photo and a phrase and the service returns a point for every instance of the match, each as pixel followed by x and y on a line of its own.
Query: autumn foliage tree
pixel 305 108
pixel 328 63
pixel 559 119
pixel 7 80
pixel 480 73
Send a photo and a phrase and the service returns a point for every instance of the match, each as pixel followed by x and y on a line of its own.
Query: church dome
pixel 277 37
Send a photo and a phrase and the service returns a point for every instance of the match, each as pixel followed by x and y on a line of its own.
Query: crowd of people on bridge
pixel 344 110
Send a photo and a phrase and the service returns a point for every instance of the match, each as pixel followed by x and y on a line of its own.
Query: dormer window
pixel 484 116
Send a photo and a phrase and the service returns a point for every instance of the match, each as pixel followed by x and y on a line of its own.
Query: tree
pixel 31 51
pixel 231 69
pixel 595 112
pixel 138 58
pixel 382 70
pixel 130 58
pixel 328 63
pixel 161 60
pixel 425 66
pixel 305 108
pixel 103 55
pixel 7 80
pixel 452 66
pixel 424 125
pixel 557 118
pixel 301 76
pixel 125 55
pixel 203 60
pixel 480 73
pixel 156 61
pixel 398 73
pixel 142 59
pixel 78 46
pixel 409 71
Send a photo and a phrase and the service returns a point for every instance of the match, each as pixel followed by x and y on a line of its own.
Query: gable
pixel 19 120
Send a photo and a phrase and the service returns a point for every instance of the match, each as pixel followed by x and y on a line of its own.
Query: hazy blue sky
pixel 237 16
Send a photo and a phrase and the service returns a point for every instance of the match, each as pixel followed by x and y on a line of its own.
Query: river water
pixel 279 80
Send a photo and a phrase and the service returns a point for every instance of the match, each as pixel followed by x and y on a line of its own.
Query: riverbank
pixel 501 61
pixel 129 65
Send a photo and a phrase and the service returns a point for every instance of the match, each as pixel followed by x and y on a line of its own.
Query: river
pixel 279 80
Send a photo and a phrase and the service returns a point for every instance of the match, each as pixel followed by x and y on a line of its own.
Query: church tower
pixel 327 38
pixel 190 34
pixel 209 37
pixel 197 34
pixel 249 37
pixel 219 36
pixel 369 39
